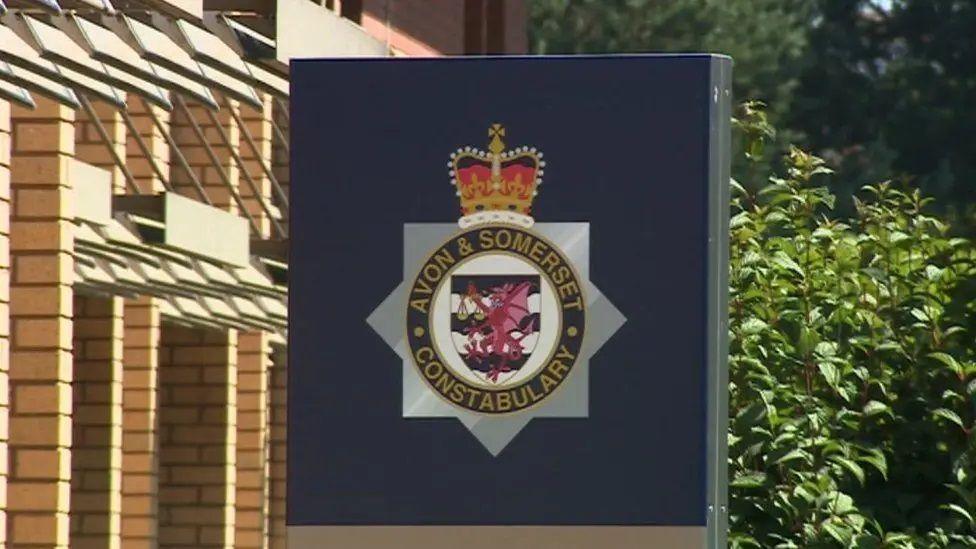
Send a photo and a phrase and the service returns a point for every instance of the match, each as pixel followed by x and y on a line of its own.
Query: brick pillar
pixel 5 145
pixel 140 167
pixel 96 456
pixel 198 158
pixel 140 459
pixel 90 148
pixel 278 435
pixel 253 494
pixel 280 160
pixel 197 429
pixel 41 244
pixel 96 474
pixel 140 370
pixel 258 123
pixel 253 484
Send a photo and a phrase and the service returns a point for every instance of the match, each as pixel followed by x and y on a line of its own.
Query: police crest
pixel 496 312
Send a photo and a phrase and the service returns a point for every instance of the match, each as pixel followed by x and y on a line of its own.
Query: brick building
pixel 143 254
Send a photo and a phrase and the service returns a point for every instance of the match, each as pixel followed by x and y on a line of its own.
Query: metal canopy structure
pixel 134 244
pixel 147 245
pixel 73 65
pixel 118 54
pixel 50 6
pixel 173 67
pixel 121 62
pixel 114 259
pixel 218 61
pixel 11 91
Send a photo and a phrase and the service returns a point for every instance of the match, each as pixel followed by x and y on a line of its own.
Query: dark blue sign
pixel 508 292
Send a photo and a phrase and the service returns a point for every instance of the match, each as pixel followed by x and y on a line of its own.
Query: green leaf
pixel 740 220
pixel 751 415
pixel 896 537
pixel 949 361
pixel 873 408
pixel 950 415
pixel 961 512
pixel 826 349
pixel 807 340
pixel 792 455
pixel 786 262
pixel 752 326
pixel 840 534
pixel 843 504
pixel 852 467
pixel 920 315
pixel 932 272
pixel 969 498
pixel 756 148
pixel 822 232
pixel 736 187
pixel 749 480
pixel 830 373
pixel 898 237
pixel 876 459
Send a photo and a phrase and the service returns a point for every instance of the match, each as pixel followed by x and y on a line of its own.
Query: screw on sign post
pixel 516 341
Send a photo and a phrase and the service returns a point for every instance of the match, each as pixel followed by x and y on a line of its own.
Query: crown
pixel 498 185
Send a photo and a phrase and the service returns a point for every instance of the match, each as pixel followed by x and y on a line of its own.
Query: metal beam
pixel 145 150
pixel 175 150
pixel 283 109
pixel 257 154
pixel 103 134
pixel 216 163
pixel 244 171
pixel 280 135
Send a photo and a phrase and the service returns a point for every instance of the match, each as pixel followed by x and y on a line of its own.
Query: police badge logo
pixel 496 313
pixel 495 316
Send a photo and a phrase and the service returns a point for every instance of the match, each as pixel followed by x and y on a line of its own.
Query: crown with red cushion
pixel 496 186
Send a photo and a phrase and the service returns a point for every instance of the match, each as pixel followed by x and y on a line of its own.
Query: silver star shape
pixel 496 431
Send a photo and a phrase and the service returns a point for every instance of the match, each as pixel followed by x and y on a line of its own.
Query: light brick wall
pixel 90 148
pixel 146 178
pixel 198 437
pixel 258 123
pixel 41 243
pixel 398 28
pixel 417 27
pixel 253 489
pixel 140 419
pixel 278 435
pixel 436 27
pixel 198 158
pixel 96 454
pixel 5 145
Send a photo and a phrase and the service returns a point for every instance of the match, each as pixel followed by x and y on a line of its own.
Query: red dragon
pixel 506 313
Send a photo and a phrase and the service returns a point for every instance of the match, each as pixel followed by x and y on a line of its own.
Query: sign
pixel 508 302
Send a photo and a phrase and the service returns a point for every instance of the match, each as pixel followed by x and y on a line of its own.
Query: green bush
pixel 852 368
